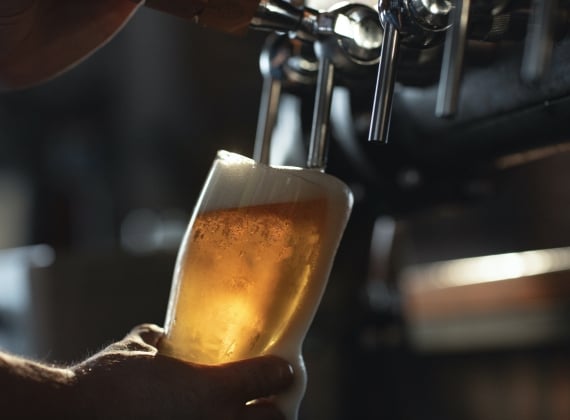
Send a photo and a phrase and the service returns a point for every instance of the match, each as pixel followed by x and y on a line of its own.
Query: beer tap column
pixel 539 40
pixel 390 18
pixel 269 104
pixel 293 25
pixel 413 23
pixel 349 43
pixel 347 38
pixel 284 63
pixel 452 65
pixel 318 141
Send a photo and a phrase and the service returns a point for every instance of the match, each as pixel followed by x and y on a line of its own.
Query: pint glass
pixel 253 265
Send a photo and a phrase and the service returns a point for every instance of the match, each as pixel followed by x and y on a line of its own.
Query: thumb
pixel 149 333
pixel 142 338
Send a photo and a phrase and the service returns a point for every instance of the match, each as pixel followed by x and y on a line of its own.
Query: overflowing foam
pixel 245 181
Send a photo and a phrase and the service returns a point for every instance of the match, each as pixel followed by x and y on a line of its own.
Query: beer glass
pixel 253 265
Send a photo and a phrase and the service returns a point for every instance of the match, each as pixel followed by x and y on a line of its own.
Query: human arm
pixel 129 380
pixel 30 389
pixel 40 39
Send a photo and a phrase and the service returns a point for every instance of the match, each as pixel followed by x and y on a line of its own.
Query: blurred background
pixel 100 170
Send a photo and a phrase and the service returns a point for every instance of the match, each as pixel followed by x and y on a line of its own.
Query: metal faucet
pixel 344 39
pixel 416 23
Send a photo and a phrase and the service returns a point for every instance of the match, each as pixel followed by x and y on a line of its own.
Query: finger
pixel 148 333
pixel 142 338
pixel 254 378
pixel 263 410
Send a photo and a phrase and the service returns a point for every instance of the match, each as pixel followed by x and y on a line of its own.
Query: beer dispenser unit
pixel 451 123
pixel 418 43
pixel 344 40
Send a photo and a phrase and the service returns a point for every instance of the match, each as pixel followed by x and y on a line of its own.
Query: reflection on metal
pixel 328 4
pixel 382 104
pixel 539 40
pixel 452 65
pixel 318 142
pixel 287 147
pixel 468 271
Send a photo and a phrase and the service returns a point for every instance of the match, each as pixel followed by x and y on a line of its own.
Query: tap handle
pixel 452 65
pixel 539 39
pixel 276 15
pixel 382 105
pixel 273 58
pixel 269 105
pixel 283 17
pixel 318 142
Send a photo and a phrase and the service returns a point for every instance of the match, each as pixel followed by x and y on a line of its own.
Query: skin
pixel 40 39
pixel 129 380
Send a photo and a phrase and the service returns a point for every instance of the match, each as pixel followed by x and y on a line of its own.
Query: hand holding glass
pixel 253 265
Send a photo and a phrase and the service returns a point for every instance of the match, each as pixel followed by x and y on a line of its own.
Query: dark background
pixel 104 165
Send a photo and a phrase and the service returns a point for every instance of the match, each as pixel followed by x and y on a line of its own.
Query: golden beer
pixel 254 264
pixel 243 276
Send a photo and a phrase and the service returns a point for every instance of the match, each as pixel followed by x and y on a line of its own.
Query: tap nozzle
pixel 539 40
pixel 452 65
pixel 414 23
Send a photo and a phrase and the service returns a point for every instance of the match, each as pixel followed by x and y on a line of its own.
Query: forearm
pixel 46 37
pixel 129 381
pixel 34 390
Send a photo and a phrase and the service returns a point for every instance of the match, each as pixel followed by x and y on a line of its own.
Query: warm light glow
pixel 485 269
pixel 244 276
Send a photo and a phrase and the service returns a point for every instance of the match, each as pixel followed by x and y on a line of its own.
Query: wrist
pixel 61 394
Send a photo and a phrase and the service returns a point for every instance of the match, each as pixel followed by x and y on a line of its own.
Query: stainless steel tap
pixel 346 39
pixel 417 23
pixel 282 62
pixel 353 46
pixel 421 23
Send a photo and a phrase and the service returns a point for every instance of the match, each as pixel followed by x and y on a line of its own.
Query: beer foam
pixel 235 180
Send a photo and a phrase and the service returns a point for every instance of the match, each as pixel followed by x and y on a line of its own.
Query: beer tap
pixel 416 23
pixel 346 38
pixel 454 48
pixel 283 61
pixel 269 104
pixel 351 47
pixel 318 141
pixel 280 16
pixel 451 67
pixel 539 40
